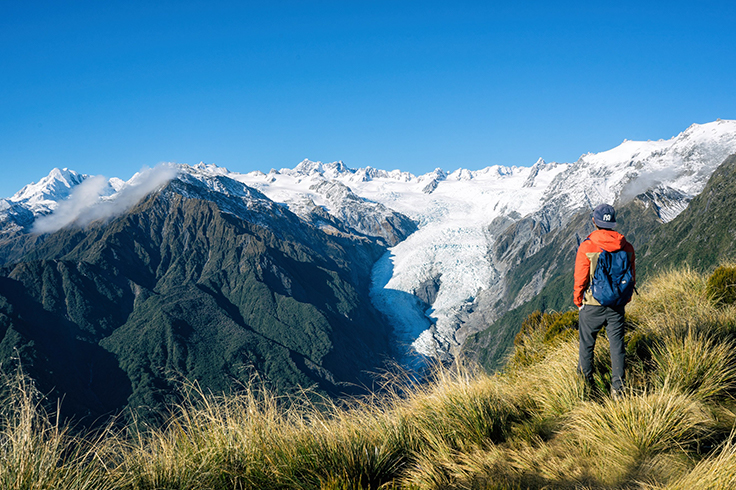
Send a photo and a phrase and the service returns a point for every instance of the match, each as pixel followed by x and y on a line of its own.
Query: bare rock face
pixel 703 234
pixel 427 291
pixel 364 216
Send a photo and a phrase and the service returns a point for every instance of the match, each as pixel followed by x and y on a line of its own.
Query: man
pixel 593 316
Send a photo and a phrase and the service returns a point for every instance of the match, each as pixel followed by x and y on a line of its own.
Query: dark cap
pixel 605 216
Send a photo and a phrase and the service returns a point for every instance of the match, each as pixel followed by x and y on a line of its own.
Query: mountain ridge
pixel 455 244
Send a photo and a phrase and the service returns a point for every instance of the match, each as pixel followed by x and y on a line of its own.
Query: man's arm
pixel 630 249
pixel 582 275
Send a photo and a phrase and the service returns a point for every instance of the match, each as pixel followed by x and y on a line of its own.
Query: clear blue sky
pixel 108 87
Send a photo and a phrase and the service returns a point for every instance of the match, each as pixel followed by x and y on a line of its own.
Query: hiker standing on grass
pixel 604 281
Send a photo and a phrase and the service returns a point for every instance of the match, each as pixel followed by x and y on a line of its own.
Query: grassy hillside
pixel 533 425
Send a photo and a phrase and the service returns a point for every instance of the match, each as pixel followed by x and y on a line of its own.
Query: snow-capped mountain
pixel 37 199
pixel 441 227
pixel 63 188
pixel 43 197
pixel 682 164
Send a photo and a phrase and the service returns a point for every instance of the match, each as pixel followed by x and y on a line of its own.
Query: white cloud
pixel 89 202
pixel 645 181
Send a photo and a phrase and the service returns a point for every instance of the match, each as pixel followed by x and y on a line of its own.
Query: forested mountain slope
pixel 119 313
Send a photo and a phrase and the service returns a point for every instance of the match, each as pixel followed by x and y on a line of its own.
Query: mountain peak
pixel 210 168
pixel 56 186
pixel 454 211
pixel 436 174
pixel 307 167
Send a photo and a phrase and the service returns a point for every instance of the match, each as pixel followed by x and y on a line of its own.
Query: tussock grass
pixel 675 293
pixel 533 426
pixel 553 386
pixel 626 434
pixel 461 409
pixel 697 365
pixel 716 472
pixel 721 285
pixel 540 334
pixel 676 303
pixel 256 440
pixel 36 452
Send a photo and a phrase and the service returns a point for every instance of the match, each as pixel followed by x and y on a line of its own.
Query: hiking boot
pixel 617 394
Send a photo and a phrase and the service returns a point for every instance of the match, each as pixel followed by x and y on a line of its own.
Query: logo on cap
pixel 604 216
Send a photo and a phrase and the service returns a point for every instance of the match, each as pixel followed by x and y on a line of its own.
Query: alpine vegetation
pixel 536 424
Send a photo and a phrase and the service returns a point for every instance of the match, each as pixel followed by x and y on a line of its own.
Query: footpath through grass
pixel 534 425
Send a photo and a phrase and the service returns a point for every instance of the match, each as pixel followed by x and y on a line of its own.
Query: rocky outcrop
pixel 364 216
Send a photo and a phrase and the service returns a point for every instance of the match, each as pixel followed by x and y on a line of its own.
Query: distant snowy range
pixel 427 279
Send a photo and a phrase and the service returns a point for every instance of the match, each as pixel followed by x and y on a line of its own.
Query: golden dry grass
pixel 676 303
pixel 696 364
pixel 533 426
pixel 37 453
pixel 625 435
pixel 717 472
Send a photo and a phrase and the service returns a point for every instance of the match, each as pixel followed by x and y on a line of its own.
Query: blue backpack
pixel 613 282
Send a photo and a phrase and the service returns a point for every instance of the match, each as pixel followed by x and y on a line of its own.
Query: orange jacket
pixel 587 258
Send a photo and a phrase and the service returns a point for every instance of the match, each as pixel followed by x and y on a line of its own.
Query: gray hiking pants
pixel 592 319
